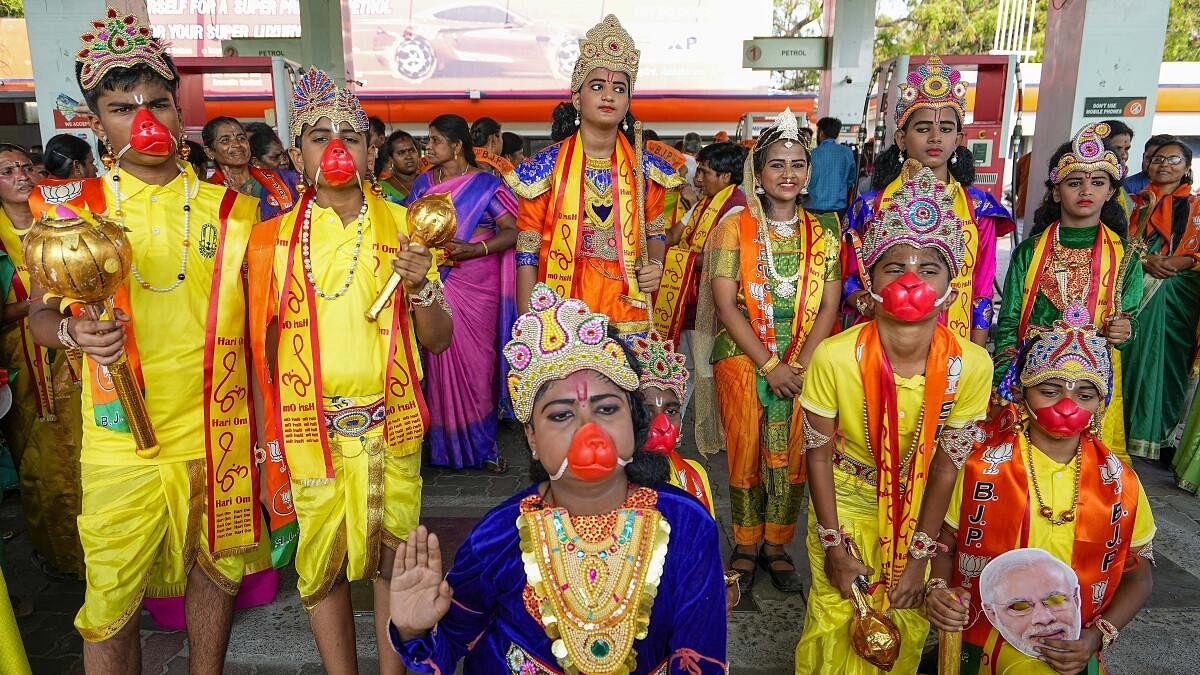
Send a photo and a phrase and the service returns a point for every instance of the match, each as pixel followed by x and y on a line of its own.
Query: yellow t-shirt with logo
pixel 170 328
pixel 353 355
pixel 833 388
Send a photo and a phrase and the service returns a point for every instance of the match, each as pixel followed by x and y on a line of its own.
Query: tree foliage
pixel 12 8
pixel 948 27
pixel 1183 31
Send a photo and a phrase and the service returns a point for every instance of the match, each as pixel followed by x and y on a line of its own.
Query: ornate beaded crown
pixel 316 96
pixel 606 45
pixel 932 85
pixel 555 338
pixel 662 366
pixel 786 128
pixel 1071 350
pixel 119 42
pixel 920 214
pixel 1088 154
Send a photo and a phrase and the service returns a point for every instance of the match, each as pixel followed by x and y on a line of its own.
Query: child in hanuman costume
pixel 584 229
pixel 1044 479
pixel 1075 256
pixel 342 395
pixel 181 522
pixel 599 566
pixel 901 394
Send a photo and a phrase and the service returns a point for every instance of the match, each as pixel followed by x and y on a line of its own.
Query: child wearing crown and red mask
pixel 184 522
pixel 1044 479
pixel 342 396
pixel 890 411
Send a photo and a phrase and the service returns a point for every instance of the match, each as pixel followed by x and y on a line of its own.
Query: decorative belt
pixel 354 421
pixel 867 474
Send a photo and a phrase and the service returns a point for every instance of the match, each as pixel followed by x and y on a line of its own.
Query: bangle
pixel 431 293
pixel 64 333
pixel 652 261
pixel 812 438
pixel 769 365
pixel 935 583
pixel 923 547
pixel 485 247
pixel 830 537
pixel 1108 632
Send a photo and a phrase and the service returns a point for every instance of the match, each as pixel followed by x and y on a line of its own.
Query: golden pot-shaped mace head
pixel 78 257
pixel 433 220
pixel 434 224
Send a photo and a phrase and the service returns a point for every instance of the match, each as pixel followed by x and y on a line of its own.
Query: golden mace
pixel 85 259
pixel 433 222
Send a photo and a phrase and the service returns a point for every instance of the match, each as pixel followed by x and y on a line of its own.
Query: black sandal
pixel 786 581
pixel 745 580
pixel 498 466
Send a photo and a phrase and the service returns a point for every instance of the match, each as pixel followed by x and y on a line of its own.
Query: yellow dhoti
pixel 12 651
pixel 825 645
pixel 142 529
pixel 374 500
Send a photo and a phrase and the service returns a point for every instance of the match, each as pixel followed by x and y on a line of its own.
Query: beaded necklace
pixel 785 286
pixel 912 445
pixel 187 230
pixel 305 228
pixel 1044 510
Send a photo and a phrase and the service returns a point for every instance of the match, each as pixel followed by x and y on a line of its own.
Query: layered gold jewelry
pixel 769 365
pixel 1044 510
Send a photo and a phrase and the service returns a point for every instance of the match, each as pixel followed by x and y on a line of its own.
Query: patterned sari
pixel 464 385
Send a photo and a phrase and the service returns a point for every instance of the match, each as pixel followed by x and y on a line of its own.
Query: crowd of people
pixel 306 321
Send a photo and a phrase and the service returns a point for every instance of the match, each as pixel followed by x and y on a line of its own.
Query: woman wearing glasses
pixel 1167 221
pixel 1044 480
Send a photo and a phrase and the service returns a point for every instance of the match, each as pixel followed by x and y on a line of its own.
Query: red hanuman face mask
pixel 909 298
pixel 337 165
pixel 1063 419
pixel 149 136
pixel 592 455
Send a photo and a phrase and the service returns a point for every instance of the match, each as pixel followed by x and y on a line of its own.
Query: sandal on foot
pixel 745 580
pixel 786 581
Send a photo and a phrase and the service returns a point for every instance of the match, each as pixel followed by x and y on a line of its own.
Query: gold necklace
pixel 1043 510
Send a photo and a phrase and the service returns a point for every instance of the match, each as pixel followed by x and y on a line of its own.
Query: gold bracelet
pixel 769 365
pixel 485 247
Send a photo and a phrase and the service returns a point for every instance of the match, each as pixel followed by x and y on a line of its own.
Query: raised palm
pixel 419 595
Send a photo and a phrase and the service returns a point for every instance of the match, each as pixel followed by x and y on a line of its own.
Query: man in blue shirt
pixel 833 170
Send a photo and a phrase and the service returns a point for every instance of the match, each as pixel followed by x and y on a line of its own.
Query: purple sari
pixel 465 385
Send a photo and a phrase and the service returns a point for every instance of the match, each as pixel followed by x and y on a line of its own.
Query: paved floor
pixel 1164 639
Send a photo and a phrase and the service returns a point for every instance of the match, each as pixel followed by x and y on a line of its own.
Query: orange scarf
pixel 274 190
pixel 1107 255
pixel 900 505
pixel 996 510
pixel 1162 212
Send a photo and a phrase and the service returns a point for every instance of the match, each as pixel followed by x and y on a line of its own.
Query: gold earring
pixel 301 186
pixel 108 159
pixel 376 188
pixel 185 150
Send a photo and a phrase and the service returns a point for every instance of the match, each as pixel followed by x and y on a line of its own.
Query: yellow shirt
pixel 170 328
pixel 1057 482
pixel 353 350
pixel 833 388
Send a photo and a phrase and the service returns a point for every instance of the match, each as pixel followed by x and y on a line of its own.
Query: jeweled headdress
pixel 662 366
pixel 555 338
pixel 932 85
pixel 921 214
pixel 119 42
pixel 786 129
pixel 1071 350
pixel 606 45
pixel 316 96
pixel 1088 154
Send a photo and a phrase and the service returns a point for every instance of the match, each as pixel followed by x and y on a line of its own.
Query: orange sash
pixel 500 164
pixel 36 358
pixel 809 287
pixel 275 192
pixel 1160 221
pixel 679 281
pixel 233 520
pixel 562 242
pixel 996 510
pixel 299 405
pixel 1107 253
pixel 901 484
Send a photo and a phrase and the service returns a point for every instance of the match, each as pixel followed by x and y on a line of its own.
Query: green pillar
pixel 325 27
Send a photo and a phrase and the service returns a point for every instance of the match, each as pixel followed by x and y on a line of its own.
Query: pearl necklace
pixel 785 286
pixel 187 231
pixel 785 228
pixel 306 227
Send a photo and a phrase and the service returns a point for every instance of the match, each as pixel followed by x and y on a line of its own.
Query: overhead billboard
pixel 430 47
